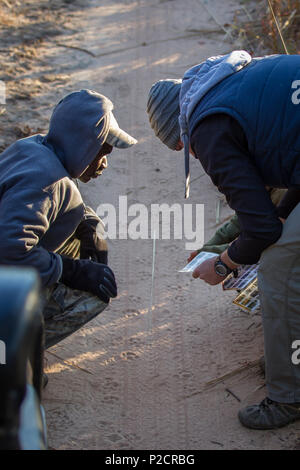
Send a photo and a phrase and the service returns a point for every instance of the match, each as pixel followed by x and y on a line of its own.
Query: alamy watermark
pixel 160 221
pixel 296 94
pixel 2 353
pixel 296 353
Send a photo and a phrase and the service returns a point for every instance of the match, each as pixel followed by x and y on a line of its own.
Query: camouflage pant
pixel 66 310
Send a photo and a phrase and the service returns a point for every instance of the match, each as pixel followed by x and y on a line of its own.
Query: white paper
pixel 203 256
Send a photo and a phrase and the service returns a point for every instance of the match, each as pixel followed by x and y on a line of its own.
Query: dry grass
pixel 28 29
pixel 8 15
pixel 255 26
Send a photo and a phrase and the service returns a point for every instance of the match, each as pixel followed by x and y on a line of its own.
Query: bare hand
pixel 192 256
pixel 206 272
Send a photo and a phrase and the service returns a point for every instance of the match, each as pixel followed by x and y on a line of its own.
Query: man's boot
pixel 269 414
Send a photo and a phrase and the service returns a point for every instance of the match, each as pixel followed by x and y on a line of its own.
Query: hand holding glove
pixel 86 275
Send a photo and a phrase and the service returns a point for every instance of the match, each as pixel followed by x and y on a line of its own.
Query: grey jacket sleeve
pixel 24 219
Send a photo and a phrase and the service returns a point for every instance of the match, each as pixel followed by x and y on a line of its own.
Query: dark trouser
pixel 279 285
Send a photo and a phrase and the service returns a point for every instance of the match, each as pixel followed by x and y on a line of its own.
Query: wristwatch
pixel 221 268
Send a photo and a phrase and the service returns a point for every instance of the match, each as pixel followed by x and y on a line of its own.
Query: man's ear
pixel 179 145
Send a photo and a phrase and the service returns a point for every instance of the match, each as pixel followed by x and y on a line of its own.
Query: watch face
pixel 221 270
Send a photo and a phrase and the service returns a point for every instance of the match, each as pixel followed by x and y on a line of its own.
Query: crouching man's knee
pixel 102 251
pixel 67 310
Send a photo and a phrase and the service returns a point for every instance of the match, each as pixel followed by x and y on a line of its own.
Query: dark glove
pixel 92 246
pixel 96 278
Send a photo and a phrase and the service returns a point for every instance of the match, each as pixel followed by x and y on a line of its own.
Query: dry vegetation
pixel 255 26
pixel 28 30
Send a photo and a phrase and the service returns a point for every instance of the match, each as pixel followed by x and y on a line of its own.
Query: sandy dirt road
pixel 136 377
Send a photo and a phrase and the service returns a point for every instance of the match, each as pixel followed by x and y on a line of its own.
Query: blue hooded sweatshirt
pixel 40 205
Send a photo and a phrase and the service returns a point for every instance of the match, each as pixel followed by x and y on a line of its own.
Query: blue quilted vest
pixel 264 97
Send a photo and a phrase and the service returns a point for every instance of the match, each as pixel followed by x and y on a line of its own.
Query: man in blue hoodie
pixel 240 117
pixel 43 220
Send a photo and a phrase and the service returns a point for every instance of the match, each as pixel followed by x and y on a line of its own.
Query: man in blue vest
pixel 240 117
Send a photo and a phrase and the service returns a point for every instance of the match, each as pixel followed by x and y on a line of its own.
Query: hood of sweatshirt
pixel 78 128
